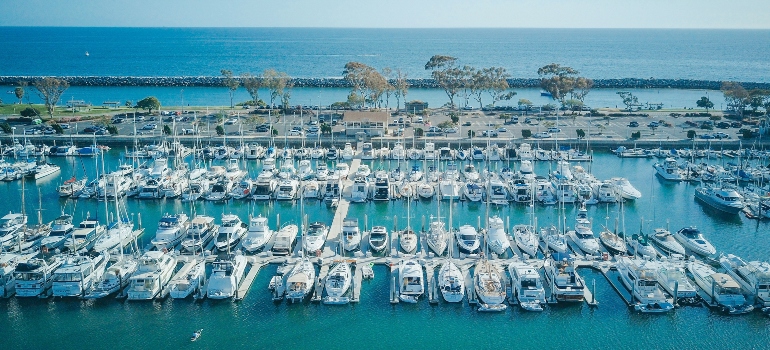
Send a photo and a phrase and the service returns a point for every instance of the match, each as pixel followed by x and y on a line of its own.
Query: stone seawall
pixel 625 83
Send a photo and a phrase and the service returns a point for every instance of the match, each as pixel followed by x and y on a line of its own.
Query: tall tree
pixel 757 98
pixel 628 99
pixel 276 82
pixel 286 95
pixel 19 92
pixel 149 103
pixel 252 85
pixel 704 102
pixel 446 74
pixel 389 89
pixel 497 84
pixel 736 96
pixel 50 91
pixel 401 87
pixel 560 81
pixel 230 83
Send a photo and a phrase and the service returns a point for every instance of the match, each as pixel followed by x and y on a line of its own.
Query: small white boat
pixel 407 240
pixel 451 282
pixel 473 192
pixel 488 283
pixel 691 238
pixel 45 170
pixel 526 239
pixel 285 239
pixel 378 238
pixel 188 284
pixel 350 234
pixel 315 237
pixel 35 276
pixel 410 280
pixel 155 271
pixel 582 235
pixel 230 232
pixel 467 239
pixel 337 284
pixel 117 276
pixel 666 241
pixel 171 230
pixel 753 276
pixel 226 275
pixel 626 190
pixel 258 234
pixel 527 286
pixel 202 229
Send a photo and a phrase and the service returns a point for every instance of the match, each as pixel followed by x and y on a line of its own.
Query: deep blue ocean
pixel 740 55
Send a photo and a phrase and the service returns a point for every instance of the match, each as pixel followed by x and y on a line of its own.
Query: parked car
pixel 138 118
pixel 706 136
pixel 295 132
pixel 633 124
pixel 723 125
pixel 450 130
pixel 64 126
pixel 736 124
pixel 502 129
pixel 150 127
pixel 542 135
pixel 720 135
pixel 467 124
pixel 554 130
pixel 262 128
pixel 489 133
pixel 231 121
pixel 653 124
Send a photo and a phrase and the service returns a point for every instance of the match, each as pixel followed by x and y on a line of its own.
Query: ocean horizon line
pixel 403 28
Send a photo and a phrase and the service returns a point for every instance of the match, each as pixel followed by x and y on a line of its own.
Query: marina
pixel 374 275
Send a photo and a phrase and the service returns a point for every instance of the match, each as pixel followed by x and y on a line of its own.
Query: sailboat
pixel 300 280
pixel 488 285
pixel 337 284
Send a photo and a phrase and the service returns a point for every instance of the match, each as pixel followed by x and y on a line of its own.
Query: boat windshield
pixel 68 277
pixel 468 237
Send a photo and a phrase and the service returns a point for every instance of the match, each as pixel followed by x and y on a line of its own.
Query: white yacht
pixel 451 282
pixel 665 240
pixel 496 237
pixel 258 234
pixel 605 192
pixel 449 189
pixel 526 239
pixel 488 284
pixel 360 191
pixel 566 283
pixel 35 276
pixel 312 190
pixel 85 235
pixel 582 235
pixel 398 152
pixel 672 277
pixel 725 199
pixel 337 284
pixel 668 170
pixel 243 189
pixel 287 189
pixel 202 229
pixel 226 275
pixel 467 239
pixel 411 281
pixel 525 152
pixel 114 235
pixel 429 152
pixel 527 285
pixel 284 240
pixel 300 281
pixel 45 170
pixel 351 236
pixel 437 237
pixel 191 282
pixel 61 231
pixel 117 276
pixel 753 276
pixel 9 228
pixel 691 238
pixel 322 172
pixel 425 190
pixel 367 152
pixel 498 192
pixel 171 230
pixel 347 151
pixel 407 240
pixel 640 245
pixel 264 188
pixel 77 274
pixel 305 171
pixel 154 272
pixel 473 192
pixel 614 243
pixel 721 288
pixel 378 238
pixel 381 187
pixel 315 237
pixel 287 171
pixel 220 191
pixel 554 239
pixel 470 174
pixel 639 277
pixel 230 232
pixel 625 189
pixel 342 170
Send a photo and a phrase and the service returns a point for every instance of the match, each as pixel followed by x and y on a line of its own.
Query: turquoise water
pixel 374 323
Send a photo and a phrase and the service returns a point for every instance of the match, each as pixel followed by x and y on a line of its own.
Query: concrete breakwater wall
pixel 624 83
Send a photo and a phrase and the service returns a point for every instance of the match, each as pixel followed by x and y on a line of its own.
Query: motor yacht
pixel 347 151
pixel 639 278
pixel 566 283
pixel 470 174
pixel 473 192
pixel 449 189
pixel 342 170
pixel 114 235
pixel 264 188
pixel 526 239
pixel 85 235
pixel 582 235
pixel 351 236
pixel 625 189
pixel 554 239
pixel 381 187
pixel 117 276
pixel 154 272
pixel 378 238
pixel 411 282
pixel 287 171
pixel 35 276
pixel 692 239
pixel 312 190
pixel 300 281
pixel 668 170
pixel 61 231
pixel 305 171
pixel 10 225
pixel 226 275
pixel 220 191
pixel 527 286
pixel 188 284
pixel 367 151
pixel 666 241
pixel 171 230
pixel 467 239
pixel 315 237
pixel 44 170
pixel 287 190
pixel 202 229
pixel 671 275
pixel 230 233
pixel 337 284
pixel 258 234
pixel 285 239
pixel 721 288
pixel 723 198
pixel 753 276
pixel 244 189
pixel 77 274
pixel 360 191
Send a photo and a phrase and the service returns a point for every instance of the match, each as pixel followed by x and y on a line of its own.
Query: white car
pixel 542 135
pixel 150 127
pixel 231 121
pixel 295 133
pixel 554 130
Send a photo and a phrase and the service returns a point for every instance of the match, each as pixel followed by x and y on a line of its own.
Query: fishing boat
pixel 527 285
pixel 692 239
pixel 753 276
pixel 285 239
pixel 202 229
pixel 566 283
pixel 378 238
pixel 411 282
pixel 154 272
pixel 35 276
pixel 315 237
pixel 722 289
pixel 300 280
pixel 666 241
pixel 226 275
pixel 337 284
pixel 258 234
pixel 350 234
pixel 171 230
pixel 77 274
pixel 451 282
pixel 230 233
pixel 468 239
pixel 640 279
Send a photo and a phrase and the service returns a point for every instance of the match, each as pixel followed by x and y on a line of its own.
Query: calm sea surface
pixel 374 323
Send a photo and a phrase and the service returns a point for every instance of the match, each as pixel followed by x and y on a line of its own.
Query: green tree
pixel 112 129
pixel 736 96
pixel 757 98
pixel 496 79
pixel 447 75
pixel 580 133
pixel 6 128
pixel 252 85
pixel 58 129
pixel 29 112
pixel 50 91
pixel 326 129
pixel 274 131
pixel 401 87
pixel 19 92
pixel 526 133
pixel 446 124
pixel 454 118
pixel 628 99
pixel 557 80
pixel 691 134
pixel 149 103
pixel 166 130
pixel 418 132
pixel 276 82
pixel 230 83
pixel 220 130
pixel 705 103
pixel 471 134
pixel 635 135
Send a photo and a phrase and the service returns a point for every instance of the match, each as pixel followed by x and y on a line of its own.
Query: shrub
pixel 58 129
pixel 221 130
pixel 526 133
pixel 691 134
pixel 29 112
pixel 112 129
pixel 636 135
pixel 418 132
pixel 580 133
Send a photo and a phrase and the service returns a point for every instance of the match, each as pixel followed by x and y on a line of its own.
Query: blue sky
pixel 739 14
